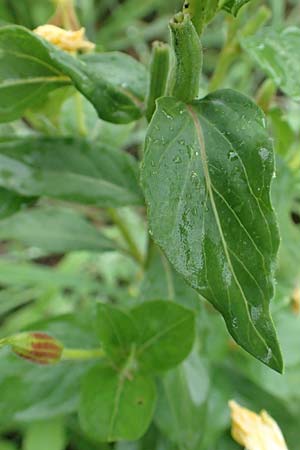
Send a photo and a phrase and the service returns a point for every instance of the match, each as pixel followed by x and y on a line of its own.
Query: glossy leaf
pixel 276 53
pixel 55 230
pixel 115 407
pixel 206 176
pixel 69 169
pixel 31 67
pixel 162 281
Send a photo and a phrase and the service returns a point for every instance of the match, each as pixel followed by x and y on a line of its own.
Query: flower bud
pixel 39 348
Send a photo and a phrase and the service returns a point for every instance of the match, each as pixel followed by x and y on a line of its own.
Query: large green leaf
pixel 69 169
pixel 276 52
pixel 114 406
pixel 206 176
pixel 31 67
pixel 162 281
pixel 55 230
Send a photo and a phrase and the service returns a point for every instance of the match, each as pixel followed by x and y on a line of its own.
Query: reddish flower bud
pixel 39 348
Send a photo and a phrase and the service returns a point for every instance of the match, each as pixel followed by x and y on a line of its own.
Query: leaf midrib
pixel 202 147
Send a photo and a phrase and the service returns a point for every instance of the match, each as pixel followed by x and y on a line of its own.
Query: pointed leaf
pixel 206 176
pixel 69 169
pixel 55 230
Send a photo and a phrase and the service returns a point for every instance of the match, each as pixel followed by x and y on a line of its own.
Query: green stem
pixel 132 246
pixel 232 48
pixel 159 73
pixel 265 94
pixel 66 10
pixel 188 58
pixel 81 354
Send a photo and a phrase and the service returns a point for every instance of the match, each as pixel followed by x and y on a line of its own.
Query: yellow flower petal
pixel 255 431
pixel 70 41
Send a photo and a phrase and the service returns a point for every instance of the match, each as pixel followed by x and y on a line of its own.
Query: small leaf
pixel 206 176
pixel 166 334
pixel 276 52
pixel 31 67
pixel 117 332
pixel 113 407
pixel 69 169
pixel 55 230
pixel 152 329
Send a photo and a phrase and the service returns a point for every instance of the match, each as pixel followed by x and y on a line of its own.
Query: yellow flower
pixel 70 41
pixel 255 431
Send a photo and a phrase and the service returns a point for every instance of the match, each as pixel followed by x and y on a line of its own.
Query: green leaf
pixel 27 73
pixel 206 176
pixel 31 67
pixel 117 332
pixel 166 334
pixel 276 54
pixel 69 169
pixel 48 435
pixel 10 202
pixel 192 406
pixel 232 6
pixel 113 407
pixel 55 230
pixel 152 329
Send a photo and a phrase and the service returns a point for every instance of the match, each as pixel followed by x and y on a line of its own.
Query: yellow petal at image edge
pixel 255 431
